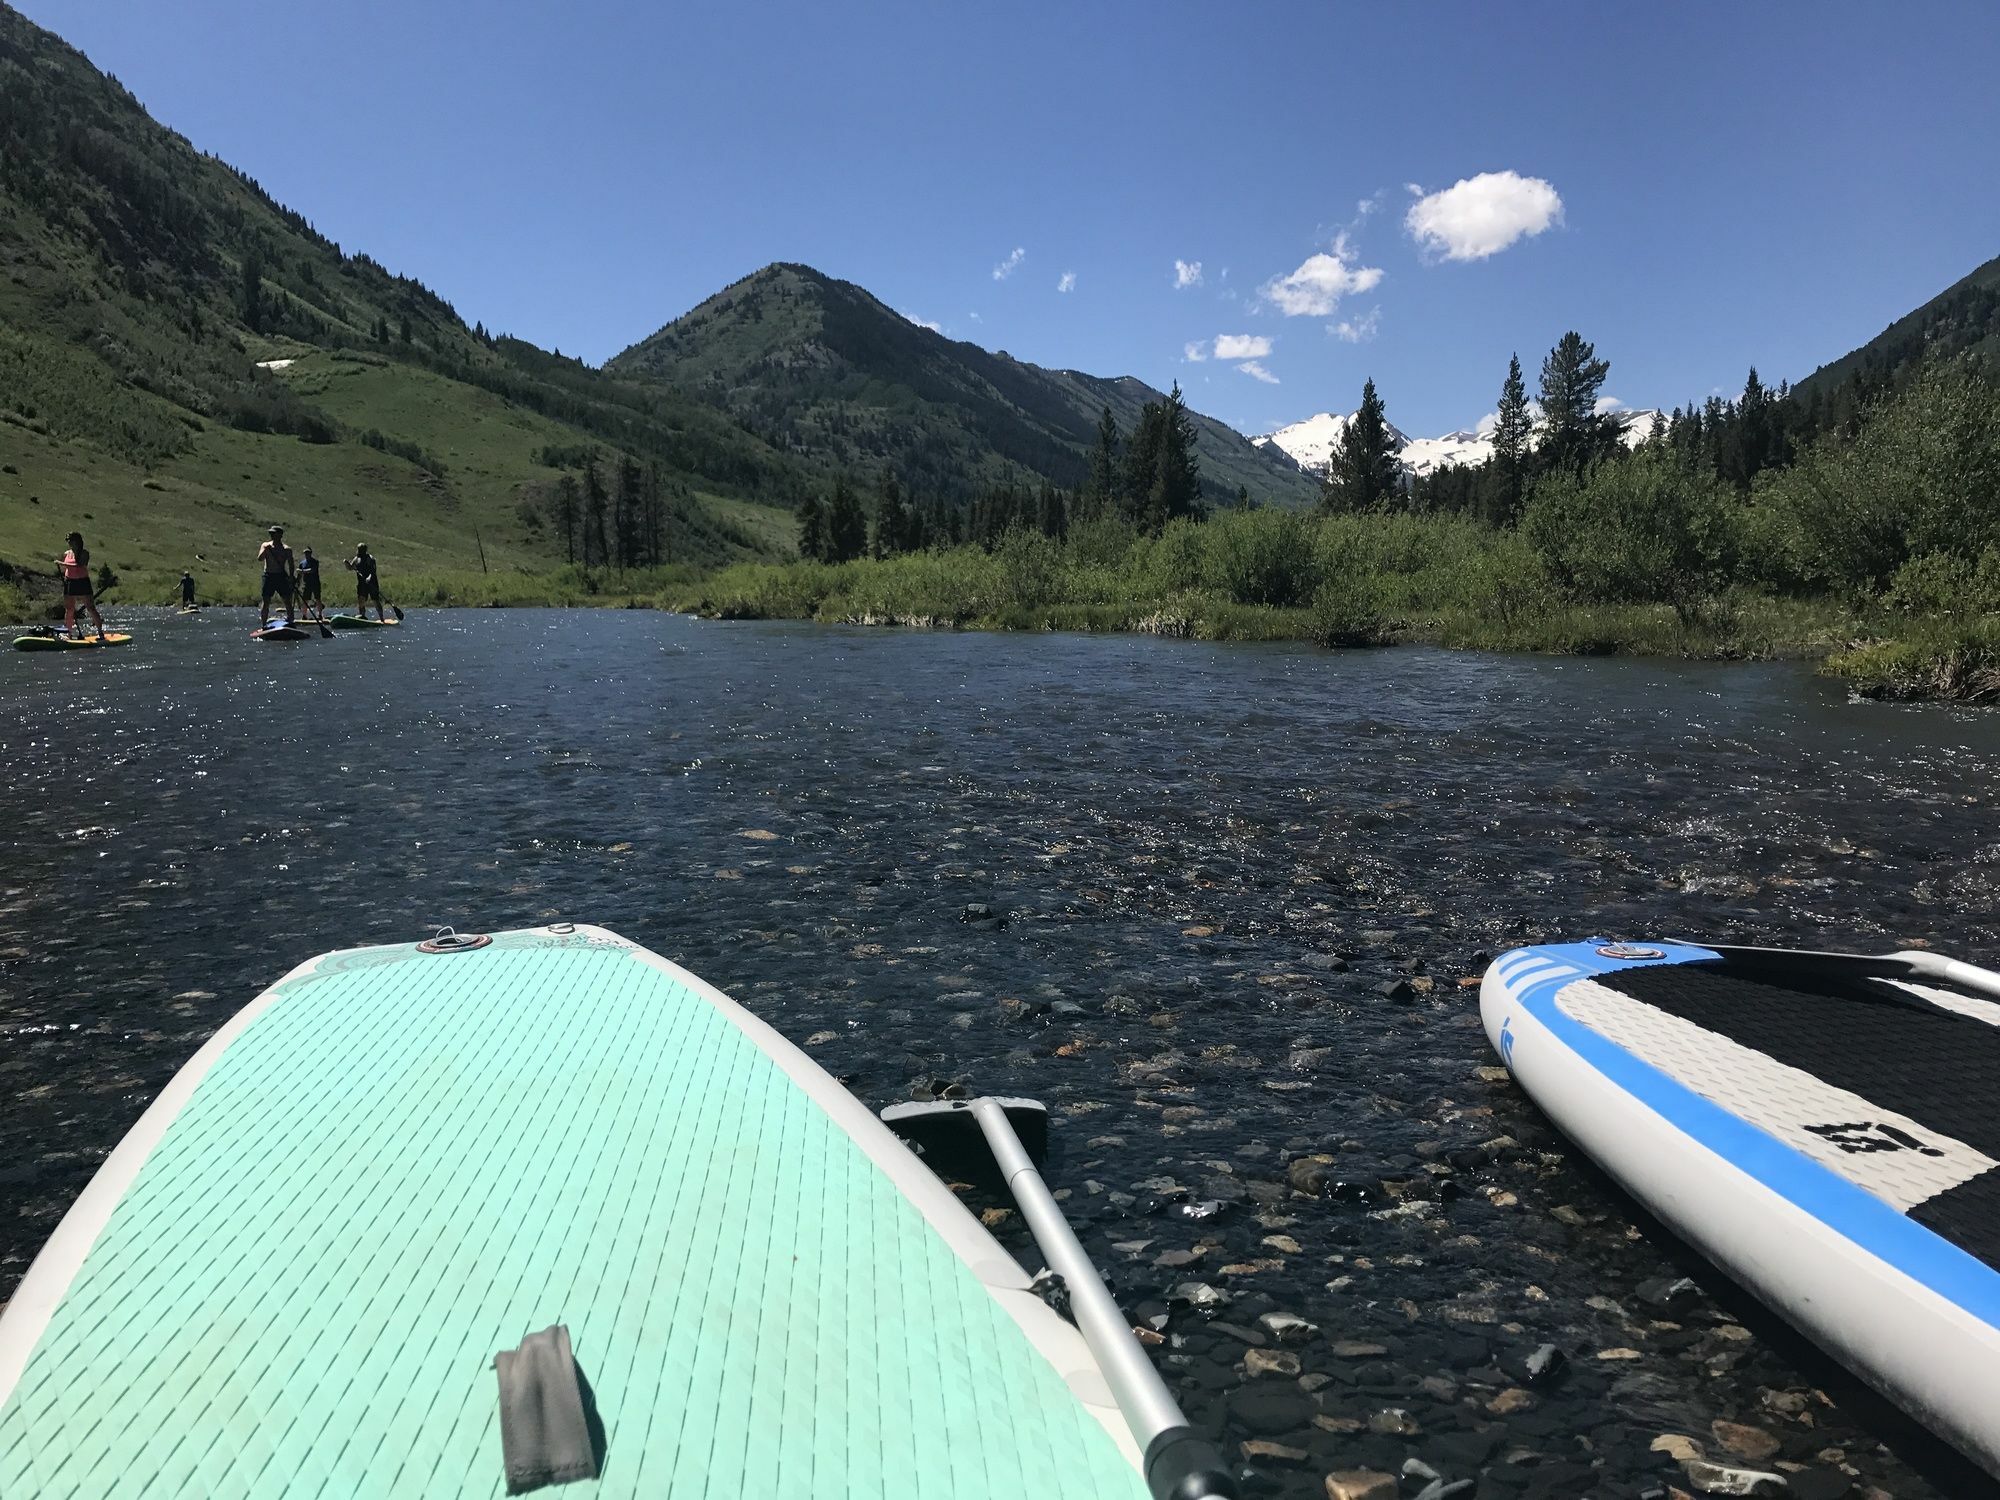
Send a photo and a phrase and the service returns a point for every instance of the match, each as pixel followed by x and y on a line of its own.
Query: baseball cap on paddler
pixel 277 531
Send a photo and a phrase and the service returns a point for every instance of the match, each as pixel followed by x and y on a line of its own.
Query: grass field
pixel 207 508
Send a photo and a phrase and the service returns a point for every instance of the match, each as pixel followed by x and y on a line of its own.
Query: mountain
pixel 1963 318
pixel 184 360
pixel 1310 443
pixel 820 369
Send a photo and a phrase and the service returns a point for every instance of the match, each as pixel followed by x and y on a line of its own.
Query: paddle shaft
pixel 1148 1407
pixel 1911 963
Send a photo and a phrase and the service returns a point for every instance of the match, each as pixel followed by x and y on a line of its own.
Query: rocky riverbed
pixel 1220 907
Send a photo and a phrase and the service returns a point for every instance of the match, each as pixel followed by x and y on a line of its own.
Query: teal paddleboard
pixel 294 1274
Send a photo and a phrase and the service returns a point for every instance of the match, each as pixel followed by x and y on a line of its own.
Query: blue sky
pixel 1695 188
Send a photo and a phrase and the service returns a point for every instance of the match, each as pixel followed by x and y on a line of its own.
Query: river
pixel 1213 903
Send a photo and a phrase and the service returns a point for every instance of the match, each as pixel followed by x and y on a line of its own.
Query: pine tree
pixel 655 518
pixel 812 529
pixel 1053 513
pixel 1176 492
pixel 1576 435
pixel 405 334
pixel 568 513
pixel 1100 490
pixel 846 525
pixel 1513 429
pixel 1363 473
pixel 1142 462
pixel 893 520
pixel 627 516
pixel 596 545
pixel 253 291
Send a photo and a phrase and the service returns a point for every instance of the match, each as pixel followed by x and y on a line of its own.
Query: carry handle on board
pixel 1911 963
pixel 1180 1463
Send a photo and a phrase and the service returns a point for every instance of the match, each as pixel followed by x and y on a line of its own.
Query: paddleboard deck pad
pixel 68 642
pixel 282 632
pixel 1830 1141
pixel 294 1274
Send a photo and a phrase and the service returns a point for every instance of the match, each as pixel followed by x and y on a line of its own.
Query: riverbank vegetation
pixel 1858 525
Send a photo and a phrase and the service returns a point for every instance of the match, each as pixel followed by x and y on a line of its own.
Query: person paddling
pixel 276 559
pixel 187 589
pixel 309 595
pixel 367 582
pixel 75 565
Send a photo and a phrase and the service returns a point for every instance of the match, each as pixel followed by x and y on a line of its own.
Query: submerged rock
pixel 1360 1484
pixel 1720 1479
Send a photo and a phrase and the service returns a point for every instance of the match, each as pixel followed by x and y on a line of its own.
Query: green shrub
pixel 1643 530
pixel 1919 478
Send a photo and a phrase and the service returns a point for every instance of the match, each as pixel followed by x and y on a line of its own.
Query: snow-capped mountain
pixel 1310 443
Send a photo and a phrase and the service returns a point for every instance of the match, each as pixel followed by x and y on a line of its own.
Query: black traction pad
pixel 1895 1049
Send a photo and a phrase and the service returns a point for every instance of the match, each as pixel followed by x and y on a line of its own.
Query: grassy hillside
pixel 141 285
pixel 821 369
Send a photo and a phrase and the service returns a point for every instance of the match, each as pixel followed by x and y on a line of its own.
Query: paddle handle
pixel 1951 971
pixel 1180 1463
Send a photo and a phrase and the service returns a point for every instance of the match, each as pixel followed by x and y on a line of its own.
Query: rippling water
pixel 1164 885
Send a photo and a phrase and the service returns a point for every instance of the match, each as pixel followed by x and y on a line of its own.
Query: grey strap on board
pixel 544 1436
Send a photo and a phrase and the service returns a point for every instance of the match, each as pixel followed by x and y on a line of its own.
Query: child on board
pixel 309 596
pixel 75 564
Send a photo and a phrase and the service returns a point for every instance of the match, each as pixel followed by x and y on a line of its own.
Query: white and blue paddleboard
pixel 1826 1136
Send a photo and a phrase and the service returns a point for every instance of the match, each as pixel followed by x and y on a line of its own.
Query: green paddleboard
pixel 293 1275
pixel 356 622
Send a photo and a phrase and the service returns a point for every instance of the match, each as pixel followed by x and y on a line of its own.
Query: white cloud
pixel 1357 330
pixel 1197 351
pixel 1316 287
pixel 1067 282
pixel 1608 403
pixel 1187 273
pixel 1008 266
pixel 1366 207
pixel 1481 216
pixel 1252 368
pixel 975 317
pixel 1241 346
pixel 924 322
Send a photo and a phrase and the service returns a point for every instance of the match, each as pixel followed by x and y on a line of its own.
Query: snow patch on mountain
pixel 1310 443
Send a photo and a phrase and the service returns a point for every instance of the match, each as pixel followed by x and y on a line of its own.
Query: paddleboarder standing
pixel 367 582
pixel 75 564
pixel 276 559
pixel 187 589
pixel 309 597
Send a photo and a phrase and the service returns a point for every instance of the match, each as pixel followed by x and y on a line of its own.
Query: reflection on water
pixel 1214 901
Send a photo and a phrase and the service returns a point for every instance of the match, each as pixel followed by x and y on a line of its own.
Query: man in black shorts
pixel 309 599
pixel 276 559
pixel 367 582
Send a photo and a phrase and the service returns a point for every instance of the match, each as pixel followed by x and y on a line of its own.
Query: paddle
pixel 1180 1464
pixel 1910 963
